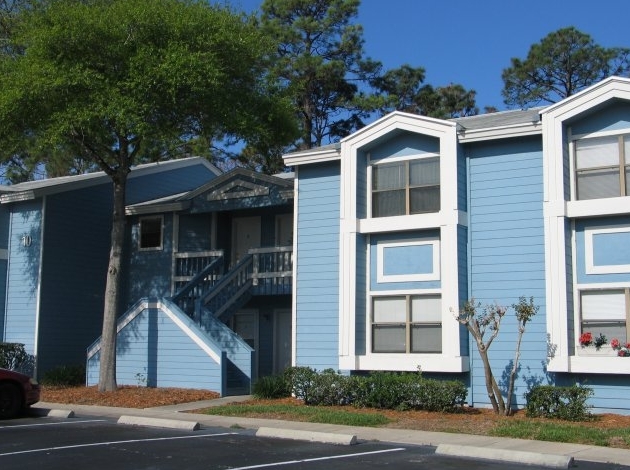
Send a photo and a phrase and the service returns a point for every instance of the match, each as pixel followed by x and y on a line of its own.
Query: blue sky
pixel 471 42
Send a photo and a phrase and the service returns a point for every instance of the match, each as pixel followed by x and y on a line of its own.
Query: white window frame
pixel 407 158
pixel 381 277
pixel 377 357
pixel 590 267
pixel 151 248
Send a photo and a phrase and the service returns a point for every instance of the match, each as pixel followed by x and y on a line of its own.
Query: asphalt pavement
pixel 551 454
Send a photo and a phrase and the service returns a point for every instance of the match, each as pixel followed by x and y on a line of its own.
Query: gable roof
pixel 238 183
pixel 33 189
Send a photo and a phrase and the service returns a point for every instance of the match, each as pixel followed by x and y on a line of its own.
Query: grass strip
pixel 555 432
pixel 310 414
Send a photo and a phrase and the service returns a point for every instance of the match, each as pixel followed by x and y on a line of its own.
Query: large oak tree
pixel 112 81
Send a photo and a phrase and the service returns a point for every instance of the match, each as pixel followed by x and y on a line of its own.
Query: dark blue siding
pixel 76 254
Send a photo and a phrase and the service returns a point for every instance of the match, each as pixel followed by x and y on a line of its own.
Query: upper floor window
pixel 406 187
pixel 602 167
pixel 151 233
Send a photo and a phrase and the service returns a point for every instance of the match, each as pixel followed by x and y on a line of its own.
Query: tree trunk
pixel 107 372
pixel 494 392
pixel 517 356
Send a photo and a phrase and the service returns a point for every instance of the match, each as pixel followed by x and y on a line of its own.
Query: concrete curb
pixel 313 436
pixel 158 422
pixel 51 413
pixel 515 456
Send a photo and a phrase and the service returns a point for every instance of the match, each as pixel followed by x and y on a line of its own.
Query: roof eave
pixel 505 132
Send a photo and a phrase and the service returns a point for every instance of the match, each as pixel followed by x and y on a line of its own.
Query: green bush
pixel 567 403
pixel 300 380
pixel 273 386
pixel 65 376
pixel 384 390
pixel 13 356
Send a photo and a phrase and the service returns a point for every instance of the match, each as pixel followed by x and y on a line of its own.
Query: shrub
pixel 274 386
pixel 13 356
pixel 384 390
pixel 65 376
pixel 568 403
pixel 300 380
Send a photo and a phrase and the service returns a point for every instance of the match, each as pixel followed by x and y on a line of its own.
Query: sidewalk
pixel 482 446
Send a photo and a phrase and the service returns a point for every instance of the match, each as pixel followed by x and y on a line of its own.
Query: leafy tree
pixel 320 61
pixel 563 63
pixel 480 321
pixel 402 89
pixel 113 80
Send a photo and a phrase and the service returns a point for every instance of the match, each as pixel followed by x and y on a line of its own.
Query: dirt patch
pixel 126 396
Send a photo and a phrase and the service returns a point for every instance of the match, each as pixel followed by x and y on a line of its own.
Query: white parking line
pixel 96 444
pixel 331 457
pixel 52 424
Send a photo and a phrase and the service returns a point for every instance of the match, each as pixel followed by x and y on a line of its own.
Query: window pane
pixel 609 329
pixel 600 151
pixel 425 199
pixel 424 172
pixel 388 203
pixel 596 184
pixel 151 233
pixel 626 149
pixel 391 176
pixel 426 308
pixel 603 305
pixel 388 338
pixel 426 338
pixel 390 309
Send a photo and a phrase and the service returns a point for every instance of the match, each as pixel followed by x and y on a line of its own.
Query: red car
pixel 17 392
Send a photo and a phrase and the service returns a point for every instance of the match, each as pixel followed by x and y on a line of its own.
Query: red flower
pixel 586 339
pixel 614 343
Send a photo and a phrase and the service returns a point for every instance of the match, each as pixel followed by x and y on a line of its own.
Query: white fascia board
pixel 493 133
pixel 316 156
pixel 586 96
pixel 155 208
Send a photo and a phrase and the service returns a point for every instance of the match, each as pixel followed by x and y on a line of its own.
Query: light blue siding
pixel 152 350
pixel 23 275
pixel 507 254
pixel 404 144
pixel 401 260
pixel 317 266
pixel 613 117
pixel 611 249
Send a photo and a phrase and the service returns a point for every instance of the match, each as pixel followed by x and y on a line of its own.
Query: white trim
pixel 38 301
pixel 295 272
pixel 556 211
pixel 380 262
pixel 399 158
pixel 588 249
pixel 446 221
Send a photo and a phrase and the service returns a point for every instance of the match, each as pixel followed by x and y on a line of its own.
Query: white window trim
pixel 591 268
pixel 434 275
pixel 151 248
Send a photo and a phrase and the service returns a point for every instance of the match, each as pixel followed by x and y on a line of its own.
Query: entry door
pixel 245 235
pixel 282 340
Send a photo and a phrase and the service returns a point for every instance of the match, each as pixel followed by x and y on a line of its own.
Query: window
pixel 151 233
pixel 605 312
pixel 602 167
pixel 407 324
pixel 406 187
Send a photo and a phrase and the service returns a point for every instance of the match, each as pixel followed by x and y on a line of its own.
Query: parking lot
pixel 101 443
